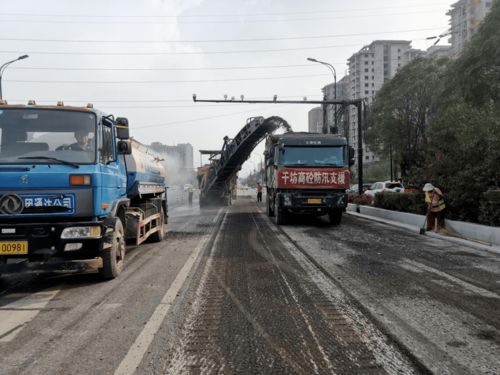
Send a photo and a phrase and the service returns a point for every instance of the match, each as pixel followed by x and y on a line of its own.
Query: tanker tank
pixel 146 173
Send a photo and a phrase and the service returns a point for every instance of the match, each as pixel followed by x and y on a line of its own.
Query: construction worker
pixel 259 192
pixel 435 207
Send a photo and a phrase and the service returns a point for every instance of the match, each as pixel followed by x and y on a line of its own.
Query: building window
pixel 366 62
pixel 367 92
pixel 366 77
pixel 367 85
pixel 366 70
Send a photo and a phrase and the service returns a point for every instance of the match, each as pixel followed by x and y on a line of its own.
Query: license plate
pixel 13 247
pixel 314 201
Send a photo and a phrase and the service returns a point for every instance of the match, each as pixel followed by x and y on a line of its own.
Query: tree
pixel 475 76
pixel 464 157
pixel 402 110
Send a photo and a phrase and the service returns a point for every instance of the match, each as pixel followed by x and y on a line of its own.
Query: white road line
pixel 15 315
pixel 136 352
pixel 419 267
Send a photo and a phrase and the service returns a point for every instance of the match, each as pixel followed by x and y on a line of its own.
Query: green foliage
pixel 404 202
pixel 464 157
pixel 489 210
pixel 475 76
pixel 379 171
pixel 442 121
pixel 402 110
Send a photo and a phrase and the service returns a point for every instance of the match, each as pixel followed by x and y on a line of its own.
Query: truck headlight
pixel 287 200
pixel 81 232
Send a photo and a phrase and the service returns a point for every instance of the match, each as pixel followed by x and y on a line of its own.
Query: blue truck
pixel 74 190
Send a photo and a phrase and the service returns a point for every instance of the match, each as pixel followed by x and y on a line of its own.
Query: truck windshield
pixel 313 156
pixel 46 136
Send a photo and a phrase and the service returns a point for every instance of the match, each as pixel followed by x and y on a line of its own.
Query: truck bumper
pixel 52 266
pixel 313 204
pixel 43 242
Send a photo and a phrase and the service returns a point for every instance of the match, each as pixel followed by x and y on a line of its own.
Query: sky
pixel 145 59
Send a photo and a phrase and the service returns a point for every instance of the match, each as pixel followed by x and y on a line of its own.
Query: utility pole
pixel 358 103
pixel 4 66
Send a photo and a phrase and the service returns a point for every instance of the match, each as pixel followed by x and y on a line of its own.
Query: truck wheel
pixel 113 259
pixel 269 209
pixel 335 216
pixel 279 214
pixel 159 235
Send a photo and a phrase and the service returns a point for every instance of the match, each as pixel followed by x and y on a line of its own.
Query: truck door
pixel 112 171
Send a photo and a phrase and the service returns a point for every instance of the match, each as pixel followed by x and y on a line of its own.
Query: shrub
pixel 360 199
pixel 489 209
pixel 404 202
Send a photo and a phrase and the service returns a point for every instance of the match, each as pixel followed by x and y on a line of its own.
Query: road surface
pixel 229 292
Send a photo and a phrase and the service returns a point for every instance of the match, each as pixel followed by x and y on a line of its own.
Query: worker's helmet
pixel 428 187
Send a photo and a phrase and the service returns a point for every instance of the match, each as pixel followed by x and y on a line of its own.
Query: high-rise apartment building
pixel 465 17
pixel 369 68
pixel 315 117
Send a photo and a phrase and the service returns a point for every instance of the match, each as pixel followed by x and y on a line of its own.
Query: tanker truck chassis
pixel 72 207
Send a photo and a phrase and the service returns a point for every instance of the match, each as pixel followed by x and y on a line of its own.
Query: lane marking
pixel 419 267
pixel 141 344
pixel 16 315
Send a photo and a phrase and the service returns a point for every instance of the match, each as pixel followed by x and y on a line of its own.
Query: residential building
pixel 438 52
pixel 465 17
pixel 343 93
pixel 369 69
pixel 315 117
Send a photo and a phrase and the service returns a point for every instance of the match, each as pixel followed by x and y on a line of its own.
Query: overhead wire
pixel 206 118
pixel 169 81
pixel 222 15
pixel 241 19
pixel 183 53
pixel 93 41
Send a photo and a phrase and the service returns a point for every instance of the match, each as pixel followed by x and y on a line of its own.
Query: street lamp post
pixel 332 68
pixel 4 66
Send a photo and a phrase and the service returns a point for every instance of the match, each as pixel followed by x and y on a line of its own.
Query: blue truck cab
pixel 73 189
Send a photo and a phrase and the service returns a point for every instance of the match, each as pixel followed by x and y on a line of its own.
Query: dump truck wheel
pixel 269 209
pixel 160 234
pixel 113 259
pixel 335 216
pixel 279 214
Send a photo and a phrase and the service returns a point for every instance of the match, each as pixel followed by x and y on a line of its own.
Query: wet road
pixel 229 292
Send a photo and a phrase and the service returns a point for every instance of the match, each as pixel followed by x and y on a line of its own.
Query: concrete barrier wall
pixel 474 231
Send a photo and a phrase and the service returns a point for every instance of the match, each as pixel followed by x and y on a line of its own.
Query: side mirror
pixel 266 154
pixel 121 125
pixel 351 156
pixel 124 147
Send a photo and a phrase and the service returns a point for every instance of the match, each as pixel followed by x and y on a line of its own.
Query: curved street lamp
pixel 4 66
pixel 332 68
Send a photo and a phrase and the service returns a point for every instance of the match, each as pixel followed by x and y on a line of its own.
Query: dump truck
pixel 307 173
pixel 74 189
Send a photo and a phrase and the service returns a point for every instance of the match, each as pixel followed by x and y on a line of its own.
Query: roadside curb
pixel 493 249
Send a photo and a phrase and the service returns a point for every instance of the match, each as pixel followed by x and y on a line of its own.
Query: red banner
pixel 313 178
